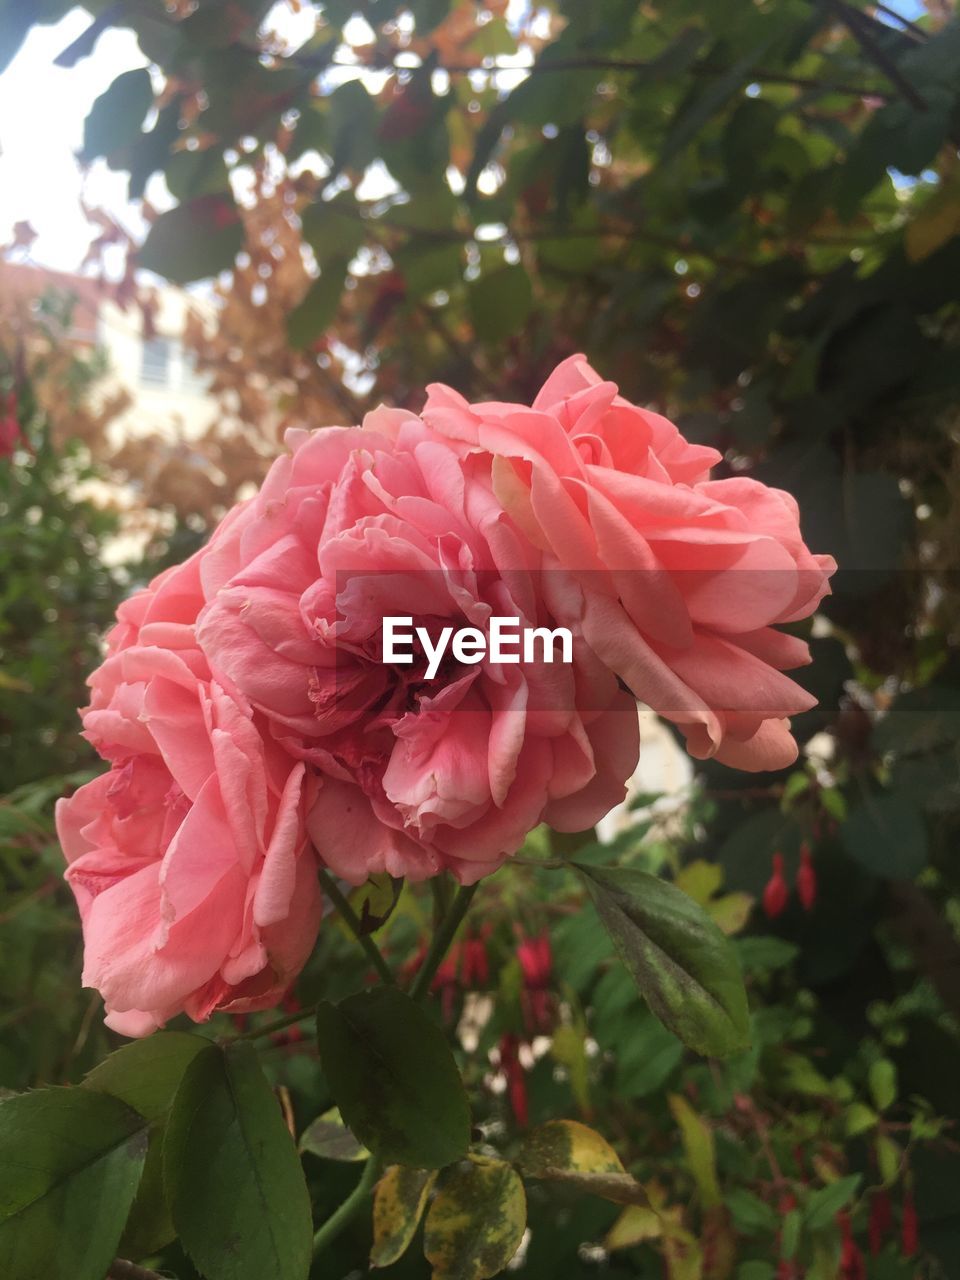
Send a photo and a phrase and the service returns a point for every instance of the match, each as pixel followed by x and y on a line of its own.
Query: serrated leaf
pixel 398 1204
pixel 683 966
pixel 236 1189
pixel 477 1220
pixel 70 1162
pixel 394 1078
pixel 146 1075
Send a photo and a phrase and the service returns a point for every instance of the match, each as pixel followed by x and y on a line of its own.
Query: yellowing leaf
pixel 698 1144
pixel 477 1220
pixel 569 1152
pixel 731 911
pixel 700 880
pixel 398 1202
pixel 635 1225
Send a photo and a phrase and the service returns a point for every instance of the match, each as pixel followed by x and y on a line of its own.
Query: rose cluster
pixel 253 728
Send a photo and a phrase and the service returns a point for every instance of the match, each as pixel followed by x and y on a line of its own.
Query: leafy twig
pixel 352 921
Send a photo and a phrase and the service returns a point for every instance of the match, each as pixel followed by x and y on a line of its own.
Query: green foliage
pixel 679 959
pixel 747 215
pixel 393 1076
pixel 70 1162
pixel 236 1192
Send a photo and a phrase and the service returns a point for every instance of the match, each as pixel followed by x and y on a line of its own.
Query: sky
pixel 42 109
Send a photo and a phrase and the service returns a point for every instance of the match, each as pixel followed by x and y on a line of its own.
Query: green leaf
pixel 859 1119
pixel 698 112
pixel 235 1186
pixel 352 116
pixel 683 965
pixel 476 1221
pixel 572 1154
pixel 146 1075
pixel 70 1162
pixel 314 315
pixel 823 1206
pixel 394 1078
pixel 195 240
pixel 334 229
pixel 115 118
pixel 751 1215
pixel 887 835
pixel 330 1139
pixel 398 1204
pixel 882 1078
pixel 698 1147
pixel 500 303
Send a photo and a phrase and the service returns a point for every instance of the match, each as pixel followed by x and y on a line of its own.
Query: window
pixel 155 362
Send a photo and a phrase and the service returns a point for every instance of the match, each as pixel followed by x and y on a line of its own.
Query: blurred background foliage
pixel 748 215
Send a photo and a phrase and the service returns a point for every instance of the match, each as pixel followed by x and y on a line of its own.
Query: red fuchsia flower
pixel 806 882
pixel 881 1220
pixel 475 967
pixel 909 1226
pixel 516 1079
pixel 446 982
pixel 536 966
pixel 852 1263
pixel 775 893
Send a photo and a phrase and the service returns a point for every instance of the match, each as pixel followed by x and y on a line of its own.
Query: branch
pixel 596 63
pixel 441 941
pixel 354 1202
pixel 351 920
pixel 861 28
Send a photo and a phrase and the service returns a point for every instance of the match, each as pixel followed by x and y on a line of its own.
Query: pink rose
pixel 683 578
pixel 189 858
pixel 414 775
